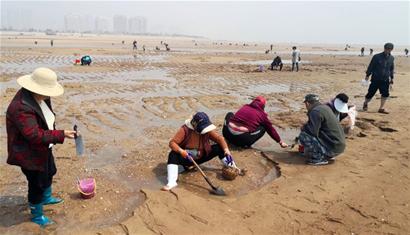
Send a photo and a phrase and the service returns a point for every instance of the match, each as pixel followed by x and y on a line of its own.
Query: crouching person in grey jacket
pixel 322 136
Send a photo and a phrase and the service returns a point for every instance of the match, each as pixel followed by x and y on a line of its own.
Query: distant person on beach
pixel 143 48
pixel 249 124
pixel 381 68
pixel 277 62
pixel 295 59
pixel 406 52
pixel 362 51
pixel 31 135
pixel 271 47
pixel 193 141
pixel 371 51
pixel 322 137
pixel 86 60
pixel 52 43
pixel 134 45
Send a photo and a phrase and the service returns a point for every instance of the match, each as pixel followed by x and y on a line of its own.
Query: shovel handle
pixel 75 129
pixel 203 174
pixel 199 168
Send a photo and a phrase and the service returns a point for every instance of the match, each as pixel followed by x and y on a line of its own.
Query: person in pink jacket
pixel 249 124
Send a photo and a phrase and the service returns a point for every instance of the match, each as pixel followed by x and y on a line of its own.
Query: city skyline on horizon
pixel 302 22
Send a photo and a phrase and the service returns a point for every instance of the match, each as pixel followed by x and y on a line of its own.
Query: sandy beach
pixel 128 104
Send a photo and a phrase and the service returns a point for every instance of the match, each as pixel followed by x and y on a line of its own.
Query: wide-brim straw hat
pixel 42 81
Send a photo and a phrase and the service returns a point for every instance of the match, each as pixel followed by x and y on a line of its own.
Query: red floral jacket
pixel 28 136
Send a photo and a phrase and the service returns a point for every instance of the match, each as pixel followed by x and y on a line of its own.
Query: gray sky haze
pixel 301 22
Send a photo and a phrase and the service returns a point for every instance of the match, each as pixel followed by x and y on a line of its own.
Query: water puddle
pixel 108 154
pixel 268 88
pixel 121 77
pixel 26 64
pixel 268 62
pixel 12 84
pixel 267 144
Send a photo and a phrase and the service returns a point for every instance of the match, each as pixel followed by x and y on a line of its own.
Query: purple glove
pixel 228 160
pixel 189 157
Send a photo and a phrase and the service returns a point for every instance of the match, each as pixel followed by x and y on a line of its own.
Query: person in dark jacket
pixel 381 68
pixel 249 124
pixel 31 134
pixel 322 136
pixel 86 60
pixel 362 51
pixel 277 62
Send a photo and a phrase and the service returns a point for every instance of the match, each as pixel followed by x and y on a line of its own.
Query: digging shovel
pixel 79 145
pixel 215 190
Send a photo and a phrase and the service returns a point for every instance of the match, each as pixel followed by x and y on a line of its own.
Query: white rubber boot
pixel 172 171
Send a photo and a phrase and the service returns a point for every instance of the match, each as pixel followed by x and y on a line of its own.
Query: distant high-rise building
pixel 78 23
pixel 102 25
pixel 21 19
pixel 72 23
pixel 120 24
pixel 137 25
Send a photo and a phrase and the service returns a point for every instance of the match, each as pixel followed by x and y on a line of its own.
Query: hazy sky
pixel 311 22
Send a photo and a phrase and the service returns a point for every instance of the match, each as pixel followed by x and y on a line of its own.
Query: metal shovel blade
pixel 218 191
pixel 79 145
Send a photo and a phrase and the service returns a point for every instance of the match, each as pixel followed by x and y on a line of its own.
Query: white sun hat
pixel 340 106
pixel 42 81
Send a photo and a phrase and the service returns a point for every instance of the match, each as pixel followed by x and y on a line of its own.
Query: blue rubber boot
pixel 38 216
pixel 48 199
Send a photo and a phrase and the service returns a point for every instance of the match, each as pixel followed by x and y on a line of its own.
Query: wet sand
pixel 129 104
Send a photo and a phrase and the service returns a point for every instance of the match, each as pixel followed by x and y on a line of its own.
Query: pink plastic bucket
pixel 87 187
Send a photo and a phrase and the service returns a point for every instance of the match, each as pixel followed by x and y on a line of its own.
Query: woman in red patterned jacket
pixel 31 134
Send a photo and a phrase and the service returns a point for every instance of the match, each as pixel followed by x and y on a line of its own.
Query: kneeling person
pixel 249 124
pixel 86 60
pixel 322 136
pixel 192 141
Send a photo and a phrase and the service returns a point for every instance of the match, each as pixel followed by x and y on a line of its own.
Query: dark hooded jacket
pixel 324 125
pixel 252 116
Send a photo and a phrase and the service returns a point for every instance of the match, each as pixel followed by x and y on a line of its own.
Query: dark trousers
pixel 243 140
pixel 176 158
pixel 297 66
pixel 276 65
pixel 382 86
pixel 38 181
